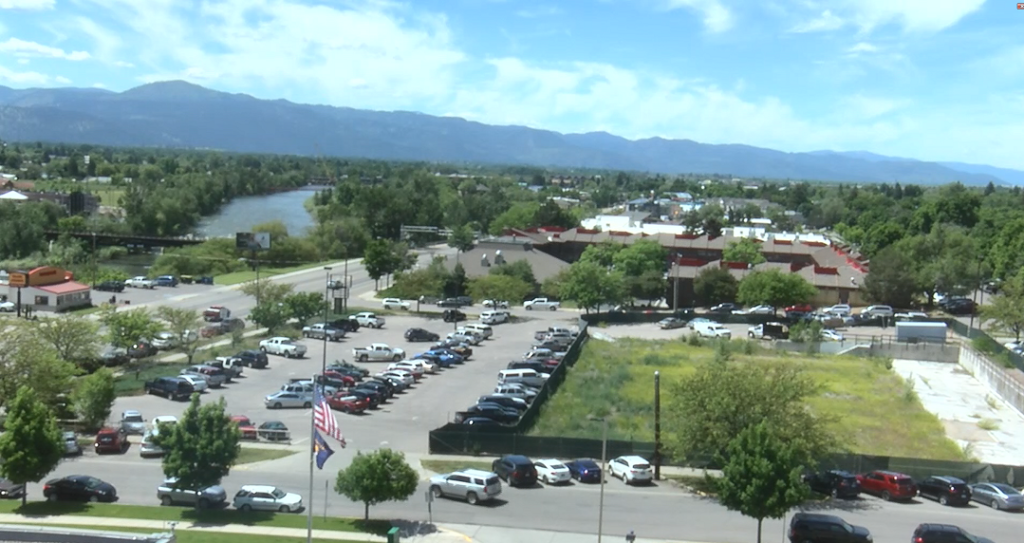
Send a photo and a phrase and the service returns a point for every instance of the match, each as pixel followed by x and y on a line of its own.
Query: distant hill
pixel 180 114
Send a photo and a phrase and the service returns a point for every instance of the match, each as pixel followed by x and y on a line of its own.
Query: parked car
pixel 284 399
pixel 166 281
pixel 756 310
pixel 348 367
pixel 515 469
pixel 80 488
pixel 835 483
pixel 368 319
pixel 419 334
pixel 999 496
pixel 148 447
pixel 878 311
pixel 283 346
pixel 266 498
pixel 472 485
pixel 584 470
pixel 133 423
pixel 9 490
pixel 215 377
pixel 945 490
pixel 71 446
pixel 323 330
pixel 945 533
pixel 252 358
pixel 453 315
pixel 246 428
pixel 671 323
pixel 346 403
pixel 495 412
pixel 723 308
pixel 114 356
pixel 451 302
pixel 110 286
pixel 111 440
pixel 273 430
pixel 395 303
pixel 455 346
pixel 207 498
pixel 140 281
pixel 814 527
pixel 552 472
pixel 7 307
pixel 511 402
pixel 831 335
pixel 631 469
pixel 541 303
pixel 373 398
pixel 378 352
pixel 888 485
pixel 198 382
pixel 142 349
pixel 496 304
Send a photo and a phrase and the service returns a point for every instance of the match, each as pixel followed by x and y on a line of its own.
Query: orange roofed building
pixel 47 288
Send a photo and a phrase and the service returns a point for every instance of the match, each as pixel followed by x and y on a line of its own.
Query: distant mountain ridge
pixel 180 114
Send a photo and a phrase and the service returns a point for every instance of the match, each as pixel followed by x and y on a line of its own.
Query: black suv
pixel 453 315
pixel 816 528
pixel 945 533
pixel 252 358
pixel 172 388
pixel 518 470
pixel 838 484
pixel 960 306
pixel 945 490
pixel 110 286
pixel 349 325
pixel 419 334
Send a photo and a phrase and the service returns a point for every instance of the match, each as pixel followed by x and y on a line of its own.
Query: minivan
pixel 483 329
pixel 494 317
pixel 525 376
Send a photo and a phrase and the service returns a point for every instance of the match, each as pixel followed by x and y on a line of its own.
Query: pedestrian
pixel 630 537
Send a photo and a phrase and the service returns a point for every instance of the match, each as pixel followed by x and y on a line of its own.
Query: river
pixel 243 213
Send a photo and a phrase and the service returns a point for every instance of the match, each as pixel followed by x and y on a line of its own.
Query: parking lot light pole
pixel 327 307
pixel 657 426
pixel 604 468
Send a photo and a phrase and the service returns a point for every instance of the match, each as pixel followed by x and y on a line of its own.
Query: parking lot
pixel 403 421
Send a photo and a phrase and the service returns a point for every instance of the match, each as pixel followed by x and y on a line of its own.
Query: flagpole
pixel 312 414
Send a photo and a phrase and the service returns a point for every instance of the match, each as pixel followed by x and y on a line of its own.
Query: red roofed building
pixel 47 288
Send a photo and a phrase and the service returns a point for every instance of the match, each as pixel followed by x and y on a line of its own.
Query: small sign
pixel 429 496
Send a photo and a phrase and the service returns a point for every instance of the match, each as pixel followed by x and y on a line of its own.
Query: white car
pixel 266 498
pixel 496 304
pixel 402 376
pixel 831 335
pixel 756 310
pixel 417 367
pixel 631 469
pixel 910 315
pixel 552 471
pixel 7 307
pixel 283 346
pixel 164 341
pixel 140 282
pixel 395 303
pixel 149 449
pixel 197 381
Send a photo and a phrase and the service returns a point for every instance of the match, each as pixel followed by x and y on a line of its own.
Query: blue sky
pixel 927 79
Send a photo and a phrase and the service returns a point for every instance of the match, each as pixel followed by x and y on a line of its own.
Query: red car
pixel 347 379
pixel 889 485
pixel 799 308
pixel 348 404
pixel 110 440
pixel 245 426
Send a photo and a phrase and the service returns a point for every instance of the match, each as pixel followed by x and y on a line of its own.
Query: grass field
pixel 189 515
pixel 448 466
pixel 235 278
pixel 204 536
pixel 877 413
pixel 249 455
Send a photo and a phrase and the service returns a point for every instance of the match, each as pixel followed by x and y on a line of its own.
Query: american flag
pixel 323 417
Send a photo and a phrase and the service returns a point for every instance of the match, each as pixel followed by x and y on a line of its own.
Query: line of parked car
pixel 475 486
pixel 520 382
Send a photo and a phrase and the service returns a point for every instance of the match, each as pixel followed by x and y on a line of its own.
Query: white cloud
pixel 23 61
pixel 867 107
pixel 98 86
pixel 62 80
pixel 825 22
pixel 717 18
pixel 24 78
pixel 123 64
pixel 27 4
pixel 862 47
pixel 26 49
pixel 541 11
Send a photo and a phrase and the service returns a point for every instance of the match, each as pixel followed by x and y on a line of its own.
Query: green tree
pixel 1006 309
pixel 762 475
pixel 714 286
pixel 891 279
pixel 93 397
pixel 603 254
pixel 271 316
pixel 199 449
pixel 713 405
pixel 775 288
pixel 499 287
pixel 267 291
pixel 31 444
pixel 520 269
pixel 650 285
pixel 591 286
pixel 745 250
pixel 303 306
pixel 125 328
pixel 26 360
pixel 641 257
pixel 377 477
pixel 184 325
pixel 461 239
pixel 74 338
pixel 377 260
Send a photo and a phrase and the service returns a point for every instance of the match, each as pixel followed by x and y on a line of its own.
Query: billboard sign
pixel 252 241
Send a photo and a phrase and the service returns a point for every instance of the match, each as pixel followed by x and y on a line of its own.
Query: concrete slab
pixel 972 413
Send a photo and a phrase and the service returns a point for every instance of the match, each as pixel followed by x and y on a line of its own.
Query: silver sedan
pixel 998 496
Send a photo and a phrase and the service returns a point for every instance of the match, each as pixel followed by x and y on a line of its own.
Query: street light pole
pixel 327 307
pixel 604 468
pixel 657 426
pixel 312 418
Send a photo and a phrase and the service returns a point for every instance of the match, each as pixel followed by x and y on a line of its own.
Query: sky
pixel 927 79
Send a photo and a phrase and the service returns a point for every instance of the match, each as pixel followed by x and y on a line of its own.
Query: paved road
pixel 654 512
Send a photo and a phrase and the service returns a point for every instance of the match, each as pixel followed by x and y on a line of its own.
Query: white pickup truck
pixel 367 319
pixel 378 352
pixel 319 330
pixel 140 282
pixel 283 346
pixel 541 303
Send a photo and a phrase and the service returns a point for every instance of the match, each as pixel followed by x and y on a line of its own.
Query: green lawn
pixel 204 536
pixel 130 382
pixel 235 278
pixel 249 455
pixel 448 466
pixel 189 515
pixel 876 414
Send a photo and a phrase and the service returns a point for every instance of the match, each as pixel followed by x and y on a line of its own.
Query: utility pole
pixel 657 426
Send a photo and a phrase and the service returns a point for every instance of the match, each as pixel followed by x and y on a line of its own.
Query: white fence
pixel 993 375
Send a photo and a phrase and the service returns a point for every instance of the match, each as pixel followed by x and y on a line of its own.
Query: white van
pixel 525 376
pixel 484 329
pixel 712 329
pixel 494 317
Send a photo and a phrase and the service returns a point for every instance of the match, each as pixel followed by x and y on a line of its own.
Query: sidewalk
pixel 496 534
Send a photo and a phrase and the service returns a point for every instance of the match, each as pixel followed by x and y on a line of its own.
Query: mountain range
pixel 180 114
